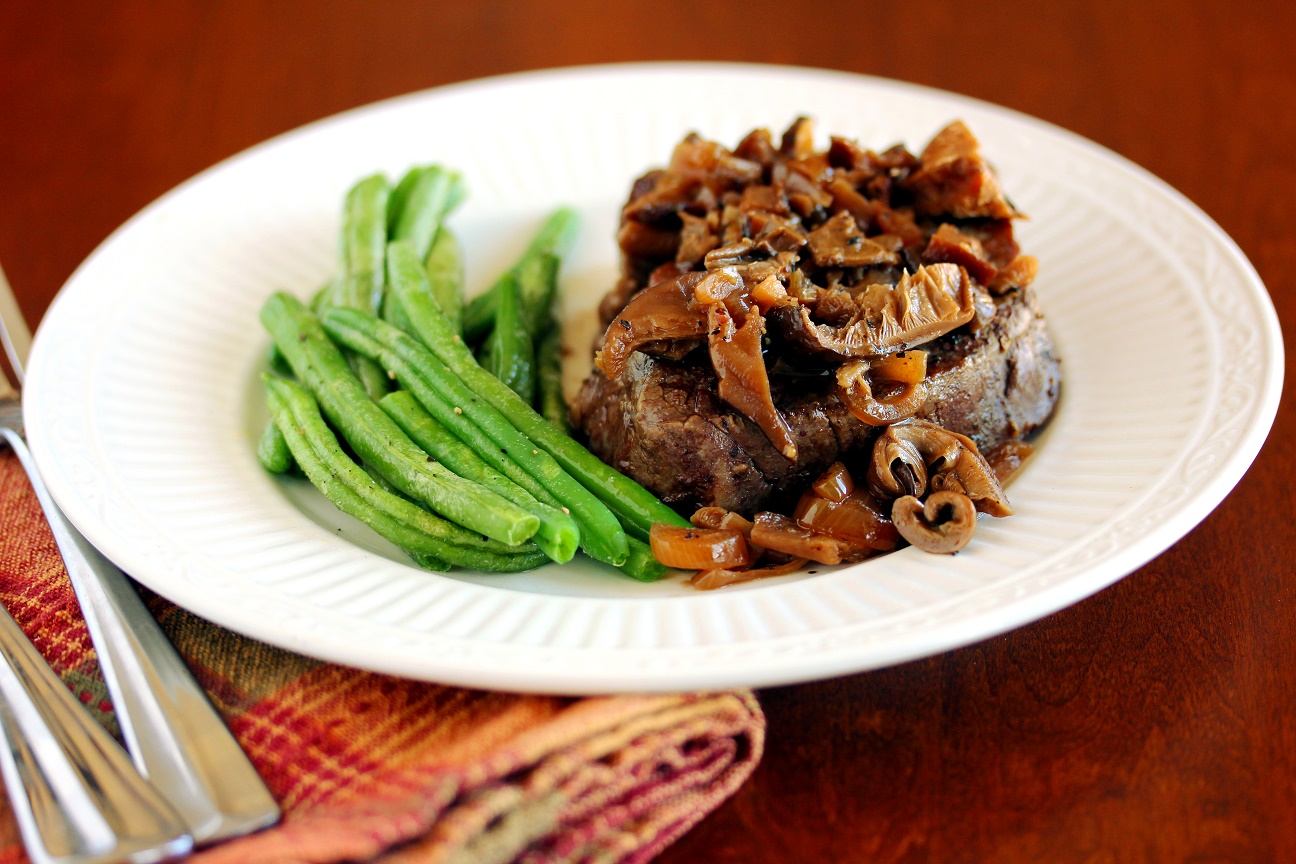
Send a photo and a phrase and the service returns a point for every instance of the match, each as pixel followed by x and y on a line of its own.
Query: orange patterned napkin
pixel 371 767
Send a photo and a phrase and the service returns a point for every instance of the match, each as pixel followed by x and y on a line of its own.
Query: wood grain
pixel 1153 722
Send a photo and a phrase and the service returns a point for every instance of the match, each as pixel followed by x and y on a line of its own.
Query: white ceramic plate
pixel 143 404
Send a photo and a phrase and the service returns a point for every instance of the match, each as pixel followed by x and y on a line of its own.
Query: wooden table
pixel 1153 722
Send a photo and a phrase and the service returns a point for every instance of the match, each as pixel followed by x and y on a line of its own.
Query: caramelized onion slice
pixel 718 517
pixel 698 548
pixel 835 484
pixel 769 292
pixel 856 393
pixel 713 579
pixel 907 367
pixel 943 524
pixel 663 312
pixel 778 532
pixel 718 286
pixel 740 368
pixel 858 519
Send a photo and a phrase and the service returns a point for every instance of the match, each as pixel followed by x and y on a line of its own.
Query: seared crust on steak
pixel 662 423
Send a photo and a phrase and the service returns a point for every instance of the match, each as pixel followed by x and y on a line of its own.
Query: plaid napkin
pixel 368 766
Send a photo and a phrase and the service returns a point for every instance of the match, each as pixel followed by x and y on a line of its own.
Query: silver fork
pixel 175 736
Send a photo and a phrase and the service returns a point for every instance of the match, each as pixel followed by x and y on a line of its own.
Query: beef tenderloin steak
pixel 662 423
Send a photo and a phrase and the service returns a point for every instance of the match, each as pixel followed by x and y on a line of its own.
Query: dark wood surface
pixel 1155 721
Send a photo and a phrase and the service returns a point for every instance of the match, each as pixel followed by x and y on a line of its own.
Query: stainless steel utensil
pixel 74 792
pixel 174 734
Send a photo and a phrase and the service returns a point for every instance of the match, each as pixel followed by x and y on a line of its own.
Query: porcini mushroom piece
pixel 740 369
pixel 943 524
pixel 910 452
pixel 954 179
pixel 886 318
pixel 856 392
pixel 897 467
pixel 663 312
pixel 952 246
pixel 798 139
pixel 839 243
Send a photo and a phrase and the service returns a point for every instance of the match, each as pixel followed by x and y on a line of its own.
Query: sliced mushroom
pixel 950 245
pixel 664 312
pixel 658 196
pixel 695 157
pixel 943 524
pixel 922 306
pixel 697 238
pixel 839 243
pixel 798 139
pixel 1018 274
pixel 846 198
pixel 743 379
pixel 743 251
pixel 908 453
pixel 953 179
pixel 856 392
pixel 780 233
pixel 757 147
pixel 639 240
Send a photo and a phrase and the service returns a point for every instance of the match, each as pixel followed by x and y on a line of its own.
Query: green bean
pixel 393 313
pixel 364 244
pixel 488 433
pixel 428 562
pixel 375 382
pixel 359 284
pixel 550 401
pixel 460 423
pixel 424 207
pixel 343 482
pixel 272 450
pixel 641 564
pixel 275 361
pixel 375 437
pixel 635 507
pixel 399 194
pixel 509 351
pixel 537 287
pixel 557 535
pixel 445 277
pixel 553 238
